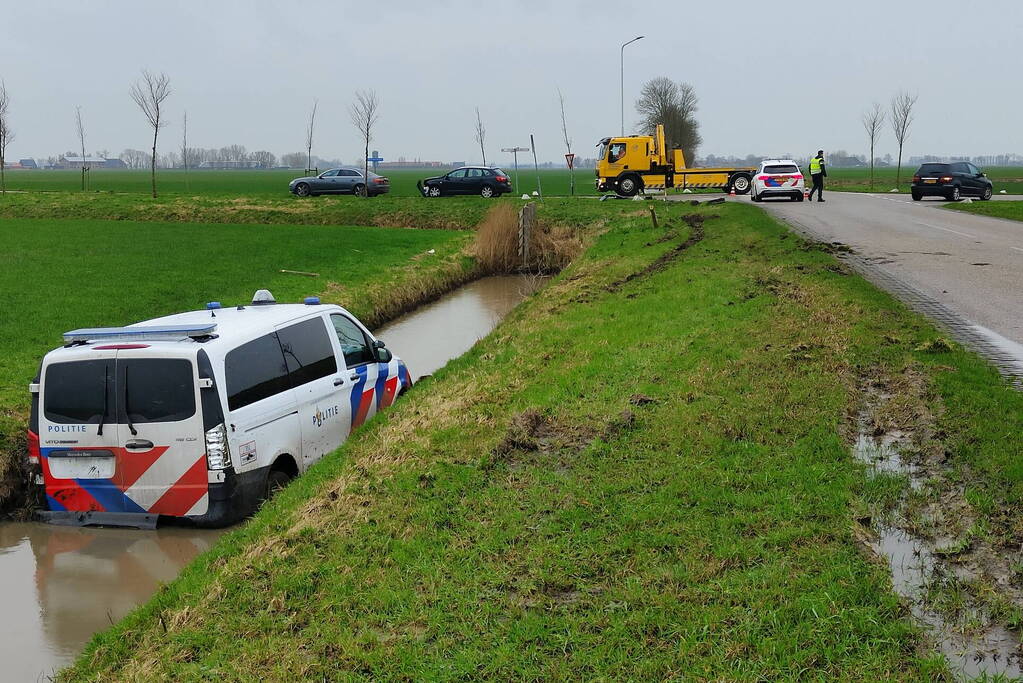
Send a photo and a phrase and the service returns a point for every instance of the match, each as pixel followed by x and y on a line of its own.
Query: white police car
pixel 778 178
pixel 200 415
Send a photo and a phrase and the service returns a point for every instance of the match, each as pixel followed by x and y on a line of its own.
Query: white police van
pixel 200 415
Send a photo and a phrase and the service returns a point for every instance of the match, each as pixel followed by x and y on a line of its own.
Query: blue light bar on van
pixel 152 332
pixel 212 305
pixel 312 301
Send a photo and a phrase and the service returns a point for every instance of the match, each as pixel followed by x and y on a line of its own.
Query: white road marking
pixel 1016 248
pixel 938 227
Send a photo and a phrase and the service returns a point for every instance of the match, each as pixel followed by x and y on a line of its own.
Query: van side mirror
pixel 384 355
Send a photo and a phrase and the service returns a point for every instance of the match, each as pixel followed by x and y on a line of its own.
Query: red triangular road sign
pixel 570 158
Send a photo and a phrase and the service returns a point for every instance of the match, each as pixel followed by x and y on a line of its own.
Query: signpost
pixel 515 151
pixel 375 159
pixel 570 158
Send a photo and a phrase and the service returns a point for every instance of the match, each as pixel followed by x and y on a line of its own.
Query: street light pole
pixel 623 79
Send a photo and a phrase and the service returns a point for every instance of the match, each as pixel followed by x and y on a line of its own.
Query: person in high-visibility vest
pixel 818 173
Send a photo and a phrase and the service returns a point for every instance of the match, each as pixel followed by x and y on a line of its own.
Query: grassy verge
pixel 1010 210
pixel 458 213
pixel 643 473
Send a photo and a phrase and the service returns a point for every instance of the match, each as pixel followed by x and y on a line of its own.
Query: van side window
pixel 254 371
pixel 307 351
pixel 353 341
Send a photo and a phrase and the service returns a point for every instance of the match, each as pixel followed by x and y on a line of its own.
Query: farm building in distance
pixel 69 162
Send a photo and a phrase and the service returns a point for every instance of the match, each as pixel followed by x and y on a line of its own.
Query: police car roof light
pixel 152 332
pixel 212 305
pixel 312 301
pixel 263 297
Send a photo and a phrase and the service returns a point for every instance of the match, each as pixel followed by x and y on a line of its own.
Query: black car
pixel 486 181
pixel 951 181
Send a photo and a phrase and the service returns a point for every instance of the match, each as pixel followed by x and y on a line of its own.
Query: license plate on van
pixel 81 464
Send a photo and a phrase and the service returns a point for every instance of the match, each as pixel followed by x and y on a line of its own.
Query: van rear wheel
pixel 275 481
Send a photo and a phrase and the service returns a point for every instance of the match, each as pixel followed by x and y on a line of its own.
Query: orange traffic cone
pixel 806 193
pixel 731 192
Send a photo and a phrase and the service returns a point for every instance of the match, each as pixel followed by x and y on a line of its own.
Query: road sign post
pixel 375 159
pixel 570 159
pixel 515 153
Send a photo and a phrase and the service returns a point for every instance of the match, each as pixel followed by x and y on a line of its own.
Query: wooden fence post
pixel 527 215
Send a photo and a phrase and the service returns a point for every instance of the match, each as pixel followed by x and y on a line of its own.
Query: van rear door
pixel 162 449
pixel 78 440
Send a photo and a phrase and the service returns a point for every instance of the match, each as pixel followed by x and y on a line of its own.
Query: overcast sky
pixel 772 77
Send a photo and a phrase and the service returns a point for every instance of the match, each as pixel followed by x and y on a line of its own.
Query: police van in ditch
pixel 200 415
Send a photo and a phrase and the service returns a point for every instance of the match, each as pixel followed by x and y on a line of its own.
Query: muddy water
pixel 60 585
pixel 429 337
pixel 973 644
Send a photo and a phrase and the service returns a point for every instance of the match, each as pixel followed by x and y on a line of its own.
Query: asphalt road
pixel 972 265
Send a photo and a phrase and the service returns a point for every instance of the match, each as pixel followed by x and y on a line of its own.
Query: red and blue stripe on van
pixel 114 495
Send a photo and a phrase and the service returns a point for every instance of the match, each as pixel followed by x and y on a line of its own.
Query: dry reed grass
pixel 496 248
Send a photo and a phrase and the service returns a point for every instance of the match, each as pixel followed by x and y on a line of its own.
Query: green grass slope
pixel 643 473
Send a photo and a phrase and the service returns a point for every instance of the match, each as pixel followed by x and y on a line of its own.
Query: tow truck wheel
pixel 741 184
pixel 628 186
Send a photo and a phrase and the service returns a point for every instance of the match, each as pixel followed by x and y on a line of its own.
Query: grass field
pixel 1010 210
pixel 265 184
pixel 644 473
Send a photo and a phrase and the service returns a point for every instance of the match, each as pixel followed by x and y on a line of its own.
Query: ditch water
pixel 972 643
pixel 60 585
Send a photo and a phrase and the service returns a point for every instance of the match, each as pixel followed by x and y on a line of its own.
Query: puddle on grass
pixel 973 645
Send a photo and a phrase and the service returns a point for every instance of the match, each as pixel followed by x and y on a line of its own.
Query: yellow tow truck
pixel 635 163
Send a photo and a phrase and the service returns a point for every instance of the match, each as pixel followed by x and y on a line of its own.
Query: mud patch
pixel 939 568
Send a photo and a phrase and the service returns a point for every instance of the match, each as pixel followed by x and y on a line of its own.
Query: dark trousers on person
pixel 818 185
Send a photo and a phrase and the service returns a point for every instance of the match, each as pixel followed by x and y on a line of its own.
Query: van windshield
pixel 151 390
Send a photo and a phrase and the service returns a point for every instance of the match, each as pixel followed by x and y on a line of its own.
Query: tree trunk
pixel 156 131
pixel 872 165
pixel 365 168
pixel 898 170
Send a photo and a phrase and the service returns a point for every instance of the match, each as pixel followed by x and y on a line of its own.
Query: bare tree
pixel 902 117
pixel 80 128
pixel 309 139
pixel 481 135
pixel 662 101
pixel 184 146
pixel 568 141
pixel 6 134
pixel 873 122
pixel 365 113
pixel 263 159
pixel 149 94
